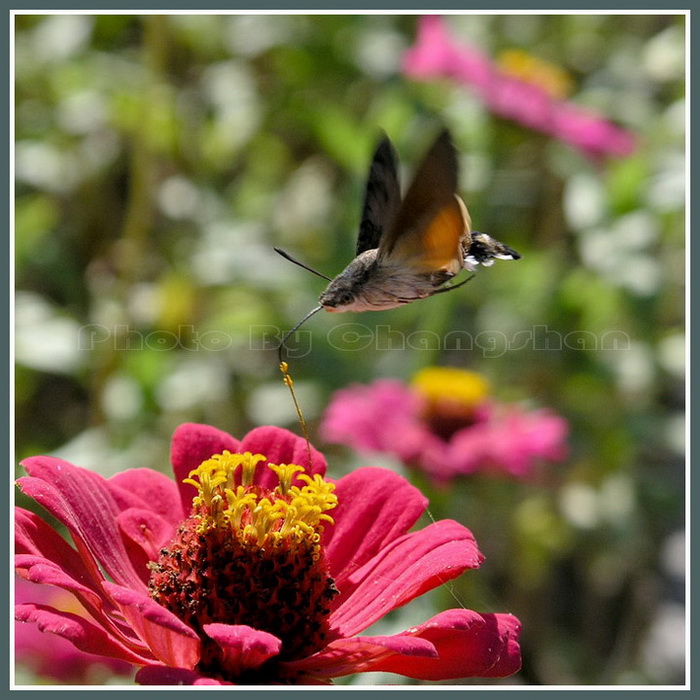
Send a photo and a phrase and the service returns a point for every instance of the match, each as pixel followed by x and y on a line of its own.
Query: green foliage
pixel 159 159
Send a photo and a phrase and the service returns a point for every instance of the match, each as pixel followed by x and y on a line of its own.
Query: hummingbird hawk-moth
pixel 410 247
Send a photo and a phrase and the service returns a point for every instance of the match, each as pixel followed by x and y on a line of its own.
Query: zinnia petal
pixel 81 500
pixel 405 569
pixel 244 648
pixel 192 444
pixel 44 557
pixel 55 657
pixel 468 644
pixel 357 654
pixel 281 447
pixel 34 537
pixel 148 489
pixel 144 535
pixel 170 639
pixel 44 571
pixel 375 506
pixel 370 417
pixel 85 635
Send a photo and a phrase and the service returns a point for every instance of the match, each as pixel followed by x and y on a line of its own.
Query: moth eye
pixel 346 298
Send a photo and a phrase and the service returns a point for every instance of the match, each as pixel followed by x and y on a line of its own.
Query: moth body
pixel 368 284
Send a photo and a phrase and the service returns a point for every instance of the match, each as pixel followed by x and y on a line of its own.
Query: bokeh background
pixel 158 160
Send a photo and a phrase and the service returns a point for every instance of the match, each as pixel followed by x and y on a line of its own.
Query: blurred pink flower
pixel 436 55
pixel 438 436
pixel 251 569
pixel 56 658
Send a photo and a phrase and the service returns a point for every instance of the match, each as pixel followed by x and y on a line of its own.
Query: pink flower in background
pixel 370 417
pixel 446 424
pixel 509 440
pixel 250 568
pixel 532 97
pixel 56 658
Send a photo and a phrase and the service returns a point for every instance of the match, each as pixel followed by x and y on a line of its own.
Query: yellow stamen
pixel 239 502
pixel 285 513
pixel 285 473
pixel 249 462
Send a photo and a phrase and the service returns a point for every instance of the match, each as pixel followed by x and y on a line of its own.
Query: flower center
pixel 524 66
pixel 250 555
pixel 452 397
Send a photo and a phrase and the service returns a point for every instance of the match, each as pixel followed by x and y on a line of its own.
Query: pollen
pixel 251 555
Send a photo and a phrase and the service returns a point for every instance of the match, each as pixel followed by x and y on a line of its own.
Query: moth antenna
pixel 287 256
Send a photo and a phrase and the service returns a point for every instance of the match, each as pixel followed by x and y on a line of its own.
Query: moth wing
pixel 382 197
pixel 435 243
pixel 432 224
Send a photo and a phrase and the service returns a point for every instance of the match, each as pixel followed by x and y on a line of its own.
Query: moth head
pixel 347 292
pixel 338 296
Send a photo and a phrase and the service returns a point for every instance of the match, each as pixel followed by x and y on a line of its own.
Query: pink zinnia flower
pixel 531 103
pixel 251 569
pixel 446 425
pixel 58 660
